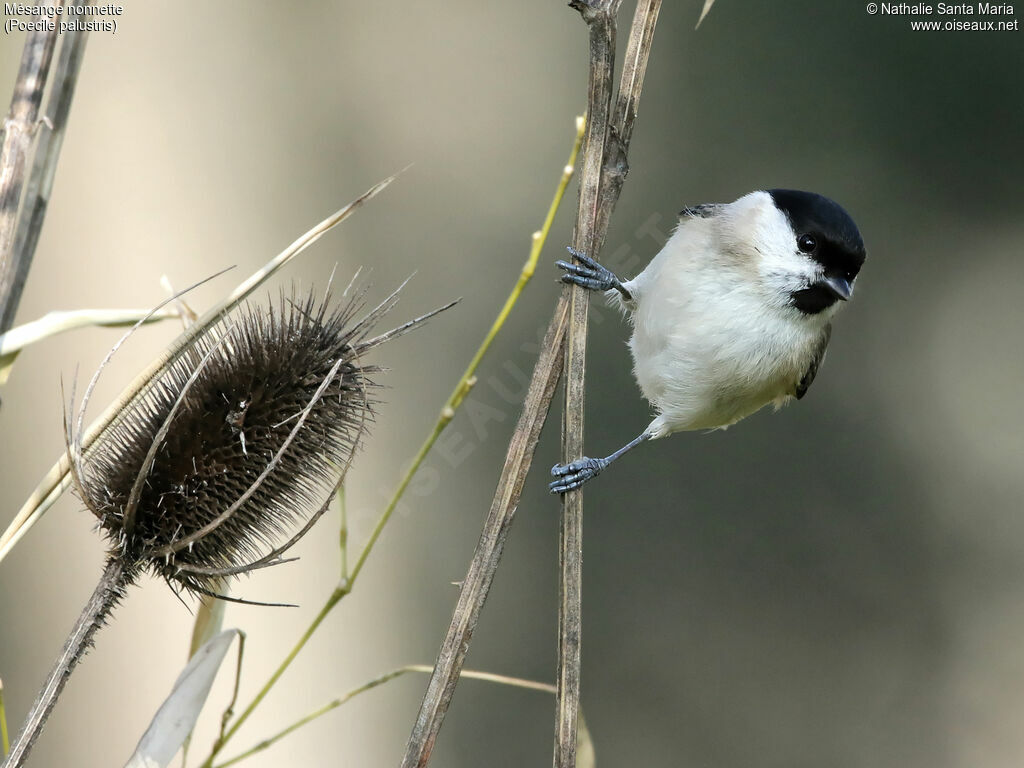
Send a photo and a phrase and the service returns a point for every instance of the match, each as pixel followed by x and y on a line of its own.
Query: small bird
pixel 735 312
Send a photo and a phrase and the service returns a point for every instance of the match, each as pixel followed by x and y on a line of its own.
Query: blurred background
pixel 841 583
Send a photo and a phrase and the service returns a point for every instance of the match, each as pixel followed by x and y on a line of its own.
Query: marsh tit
pixel 735 312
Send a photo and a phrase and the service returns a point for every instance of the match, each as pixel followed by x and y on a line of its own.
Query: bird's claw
pixel 575 474
pixel 588 273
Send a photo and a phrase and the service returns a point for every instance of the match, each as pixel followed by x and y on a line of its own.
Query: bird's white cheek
pixel 780 285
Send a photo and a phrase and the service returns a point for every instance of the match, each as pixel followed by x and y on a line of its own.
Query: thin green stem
pixel 343 535
pixel 468 379
pixel 5 742
pixel 456 398
pixel 229 711
pixel 377 681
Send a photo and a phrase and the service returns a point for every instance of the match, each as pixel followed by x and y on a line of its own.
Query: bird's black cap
pixel 841 248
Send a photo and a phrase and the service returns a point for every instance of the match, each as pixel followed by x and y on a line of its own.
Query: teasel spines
pixel 238 443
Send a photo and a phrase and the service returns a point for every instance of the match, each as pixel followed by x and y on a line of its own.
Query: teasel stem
pixel 116 577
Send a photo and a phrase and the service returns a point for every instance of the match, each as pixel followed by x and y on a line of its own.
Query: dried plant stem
pixel 545 377
pixel 631 83
pixel 44 164
pixel 229 710
pixel 600 18
pixel 19 129
pixel 607 144
pixel 106 595
pixel 458 395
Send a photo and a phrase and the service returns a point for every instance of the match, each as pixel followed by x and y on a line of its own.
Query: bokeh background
pixel 839 584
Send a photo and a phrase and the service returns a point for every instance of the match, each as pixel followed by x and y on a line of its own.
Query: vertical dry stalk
pixel 19 130
pixel 598 194
pixel 44 164
pixel 546 373
pixel 600 18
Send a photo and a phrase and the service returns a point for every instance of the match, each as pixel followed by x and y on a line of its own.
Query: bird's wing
pixel 704 211
pixel 812 370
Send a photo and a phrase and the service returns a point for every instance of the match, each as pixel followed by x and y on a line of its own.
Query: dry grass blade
pixel 53 323
pixel 704 12
pixel 57 479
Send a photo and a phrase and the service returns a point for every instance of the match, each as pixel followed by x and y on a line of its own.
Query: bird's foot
pixel 588 273
pixel 575 474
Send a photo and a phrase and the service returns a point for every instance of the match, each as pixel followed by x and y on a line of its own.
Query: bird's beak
pixel 838 286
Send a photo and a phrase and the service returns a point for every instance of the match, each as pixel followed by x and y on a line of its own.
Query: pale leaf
pixel 209 620
pixel 178 714
pixel 52 323
pixel 209 617
pixel 704 11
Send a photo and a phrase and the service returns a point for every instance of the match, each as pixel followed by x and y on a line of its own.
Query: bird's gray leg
pixel 575 474
pixel 591 275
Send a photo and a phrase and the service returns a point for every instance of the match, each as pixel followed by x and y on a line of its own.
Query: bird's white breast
pixel 712 342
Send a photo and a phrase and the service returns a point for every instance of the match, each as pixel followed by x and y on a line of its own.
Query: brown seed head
pixel 238 443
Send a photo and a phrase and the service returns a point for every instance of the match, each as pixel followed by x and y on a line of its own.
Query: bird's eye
pixel 806 243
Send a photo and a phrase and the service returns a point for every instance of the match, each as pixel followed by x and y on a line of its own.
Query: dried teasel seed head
pixel 236 444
